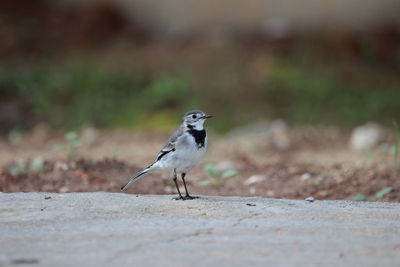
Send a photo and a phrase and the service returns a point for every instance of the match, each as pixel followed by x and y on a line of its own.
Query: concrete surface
pixel 109 229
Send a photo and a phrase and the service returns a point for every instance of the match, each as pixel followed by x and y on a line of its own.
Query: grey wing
pixel 170 146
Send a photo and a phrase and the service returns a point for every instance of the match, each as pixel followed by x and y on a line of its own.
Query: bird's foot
pixel 187 197
pixel 179 198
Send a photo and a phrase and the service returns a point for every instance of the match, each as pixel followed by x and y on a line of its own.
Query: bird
pixel 183 151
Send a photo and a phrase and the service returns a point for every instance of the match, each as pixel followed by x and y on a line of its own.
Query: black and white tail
pixel 137 177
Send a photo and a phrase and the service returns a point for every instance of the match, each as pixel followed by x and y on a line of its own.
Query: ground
pixel 317 163
pixel 103 229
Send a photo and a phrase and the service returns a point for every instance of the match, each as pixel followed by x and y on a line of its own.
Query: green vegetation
pixel 77 93
pixel 396 149
pixel 359 197
pixel 16 169
pixel 36 164
pixel 216 178
pixel 71 94
pixel 383 192
pixel 71 145
pixel 380 194
pixel 322 95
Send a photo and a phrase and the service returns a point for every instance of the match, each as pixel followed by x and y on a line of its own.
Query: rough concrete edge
pixel 220 198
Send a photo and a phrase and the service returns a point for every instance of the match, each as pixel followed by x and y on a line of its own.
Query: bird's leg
pixel 184 183
pixel 177 187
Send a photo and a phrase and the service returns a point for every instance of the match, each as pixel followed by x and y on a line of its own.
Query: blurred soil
pixel 32 32
pixel 318 164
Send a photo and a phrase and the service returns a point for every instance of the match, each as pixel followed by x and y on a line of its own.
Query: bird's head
pixel 195 119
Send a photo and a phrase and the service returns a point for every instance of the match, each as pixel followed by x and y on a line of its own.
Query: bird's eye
pixel 194 116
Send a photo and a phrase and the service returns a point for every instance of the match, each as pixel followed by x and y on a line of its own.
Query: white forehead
pixel 194 112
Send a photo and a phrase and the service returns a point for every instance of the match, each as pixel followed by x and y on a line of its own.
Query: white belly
pixel 185 157
pixel 188 159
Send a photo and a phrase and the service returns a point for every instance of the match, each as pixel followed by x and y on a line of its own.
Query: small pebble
pixel 60 166
pixel 255 179
pixel 63 189
pixel 309 199
pixel 305 176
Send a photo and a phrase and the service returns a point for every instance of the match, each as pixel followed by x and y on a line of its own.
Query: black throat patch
pixel 199 136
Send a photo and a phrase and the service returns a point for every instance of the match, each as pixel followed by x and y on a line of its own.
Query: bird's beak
pixel 207 116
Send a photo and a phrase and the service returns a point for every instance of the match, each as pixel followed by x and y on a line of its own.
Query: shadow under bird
pixel 184 150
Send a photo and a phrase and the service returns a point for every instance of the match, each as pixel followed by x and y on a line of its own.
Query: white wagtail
pixel 184 150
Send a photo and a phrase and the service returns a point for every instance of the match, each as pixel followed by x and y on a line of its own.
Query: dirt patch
pixel 318 163
pixel 282 179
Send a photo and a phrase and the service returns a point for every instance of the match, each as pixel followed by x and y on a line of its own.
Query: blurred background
pixel 311 82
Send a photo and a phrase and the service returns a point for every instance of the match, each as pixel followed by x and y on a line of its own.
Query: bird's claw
pixel 187 197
